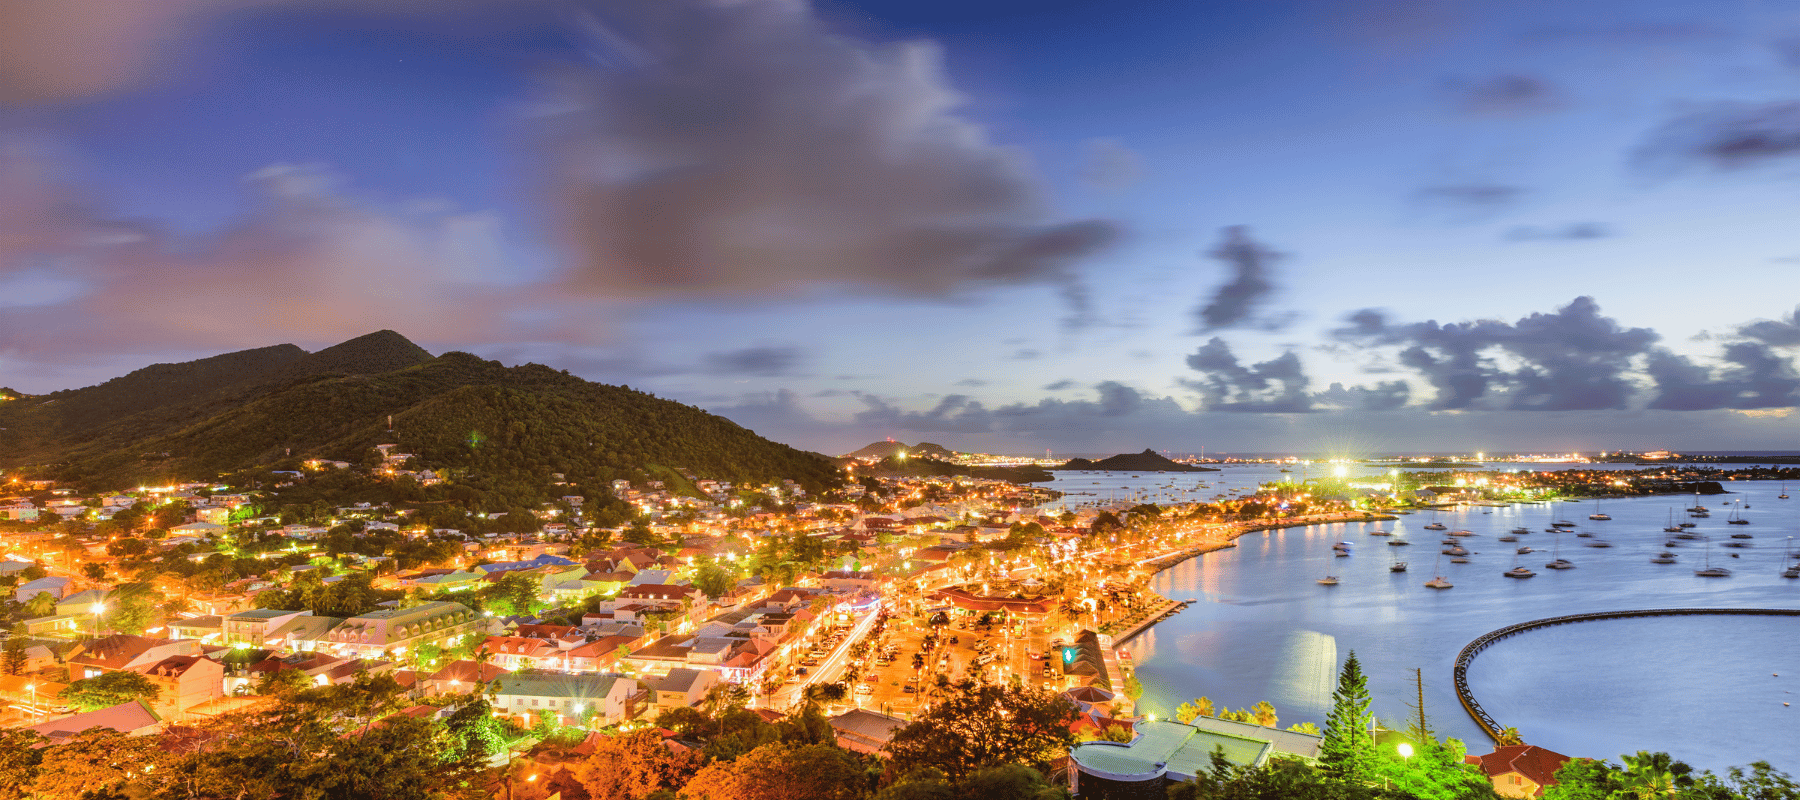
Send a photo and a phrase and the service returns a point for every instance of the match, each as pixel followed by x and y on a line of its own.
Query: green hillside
pixel 514 425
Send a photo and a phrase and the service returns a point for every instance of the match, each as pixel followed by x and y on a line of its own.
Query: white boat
pixel 1672 527
pixel 1440 583
pixel 1556 559
pixel 1597 514
pixel 1523 550
pixel 1454 551
pixel 1711 571
pixel 1519 572
pixel 1436 526
pixel 1783 495
pixel 1381 533
pixel 1398 566
pixel 1461 533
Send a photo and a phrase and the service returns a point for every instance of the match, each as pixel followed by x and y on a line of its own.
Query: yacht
pixel 1557 561
pixel 1689 535
pixel 1711 571
pixel 1672 527
pixel 1518 572
pixel 1664 557
pixel 1783 495
pixel 1509 538
pixel 1522 550
pixel 1440 583
pixel 1736 519
pixel 1436 526
pixel 1379 532
pixel 1599 543
pixel 1520 531
pixel 1329 580
pixel 1454 551
pixel 1462 533
pixel 1398 566
pixel 1398 543
pixel 1459 560
pixel 1597 514
pixel 1743 536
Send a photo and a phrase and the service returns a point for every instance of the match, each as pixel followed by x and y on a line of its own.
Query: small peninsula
pixel 1147 461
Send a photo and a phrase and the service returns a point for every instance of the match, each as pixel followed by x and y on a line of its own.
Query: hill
pixel 889 448
pixel 503 426
pixel 1147 461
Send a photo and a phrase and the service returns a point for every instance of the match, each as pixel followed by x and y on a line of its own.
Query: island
pixel 1147 461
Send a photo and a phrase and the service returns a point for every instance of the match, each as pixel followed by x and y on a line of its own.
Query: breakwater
pixel 1486 640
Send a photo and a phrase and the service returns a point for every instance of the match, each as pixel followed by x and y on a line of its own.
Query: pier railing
pixel 1482 642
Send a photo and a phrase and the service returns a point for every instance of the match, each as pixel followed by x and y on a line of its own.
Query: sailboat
pixel 1783 495
pixel 1664 557
pixel 1711 571
pixel 1329 580
pixel 1518 571
pixel 1435 525
pixel 1672 527
pixel 1793 570
pixel 1439 582
pixel 1557 561
pixel 1736 519
pixel 1597 514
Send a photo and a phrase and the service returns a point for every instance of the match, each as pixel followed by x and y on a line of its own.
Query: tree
pixel 1508 737
pixel 93 571
pixel 631 766
pixel 132 607
pixel 19 756
pixel 127 546
pixel 1264 714
pixel 781 771
pixel 1194 709
pixel 1348 749
pixel 1647 776
pixel 12 658
pixel 43 604
pixel 983 725
pixel 1009 782
pixel 96 763
pixel 110 689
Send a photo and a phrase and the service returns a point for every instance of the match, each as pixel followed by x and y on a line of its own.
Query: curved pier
pixel 1482 642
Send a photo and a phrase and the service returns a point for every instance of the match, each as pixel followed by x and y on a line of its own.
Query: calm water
pixel 1705 689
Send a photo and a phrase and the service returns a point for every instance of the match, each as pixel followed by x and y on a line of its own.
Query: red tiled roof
pixel 1534 763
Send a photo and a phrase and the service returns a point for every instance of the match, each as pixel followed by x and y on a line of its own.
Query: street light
pixel 98 608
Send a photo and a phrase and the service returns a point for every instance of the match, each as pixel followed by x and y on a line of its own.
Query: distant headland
pixel 1147 461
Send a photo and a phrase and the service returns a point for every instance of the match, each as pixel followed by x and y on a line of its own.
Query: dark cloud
pixel 1249 264
pixel 1571 232
pixel 745 149
pixel 1275 386
pixel 1778 332
pixel 1059 386
pixel 956 413
pixel 1384 396
pixel 972 383
pixel 1117 404
pixel 1726 136
pixel 1507 96
pixel 1468 201
pixel 1574 359
pixel 760 362
pixel 1111 166
pixel 1752 376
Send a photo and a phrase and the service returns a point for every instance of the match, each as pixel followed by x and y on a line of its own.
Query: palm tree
pixel 1508 737
pixel 1264 712
pixel 1647 775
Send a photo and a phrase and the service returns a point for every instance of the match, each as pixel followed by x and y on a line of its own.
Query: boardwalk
pixel 1482 642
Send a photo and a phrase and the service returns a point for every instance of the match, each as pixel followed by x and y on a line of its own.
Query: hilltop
pixel 270 407
pixel 882 450
pixel 1147 461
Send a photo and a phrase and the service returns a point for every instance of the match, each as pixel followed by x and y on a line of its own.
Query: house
pixel 123 651
pixel 573 699
pixel 1162 754
pixel 397 630
pixel 206 628
pixel 458 677
pixel 524 652
pixel 863 731
pixel 185 681
pixel 13 567
pixel 135 718
pixel 1520 770
pixel 56 586
pixel 252 627
pixel 437 580
pixel 683 688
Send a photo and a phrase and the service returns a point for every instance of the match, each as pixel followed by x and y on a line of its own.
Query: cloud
pixel 1570 232
pixel 1752 376
pixel 1574 359
pixel 308 261
pixel 1725 136
pixel 1778 332
pixel 75 48
pixel 1275 386
pixel 1468 201
pixel 1384 396
pixel 1508 96
pixel 955 413
pixel 1025 354
pixel 746 150
pixel 761 362
pixel 1059 385
pixel 973 383
pixel 1110 166
pixel 1249 263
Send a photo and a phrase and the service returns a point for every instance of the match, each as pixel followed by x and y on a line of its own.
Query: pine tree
pixel 1348 752
pixel 12 660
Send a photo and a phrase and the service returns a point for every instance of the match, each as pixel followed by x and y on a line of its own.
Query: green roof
pixel 1182 751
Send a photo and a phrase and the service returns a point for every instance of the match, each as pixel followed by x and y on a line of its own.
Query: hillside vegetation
pixel 272 407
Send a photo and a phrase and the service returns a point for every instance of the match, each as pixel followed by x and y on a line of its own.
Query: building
pixel 186 682
pixel 400 629
pixel 97 657
pixel 132 719
pixel 683 688
pixel 863 731
pixel 1165 753
pixel 1520 770
pixel 252 627
pixel 573 699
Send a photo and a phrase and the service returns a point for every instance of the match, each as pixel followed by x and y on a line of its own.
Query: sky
pixel 1330 226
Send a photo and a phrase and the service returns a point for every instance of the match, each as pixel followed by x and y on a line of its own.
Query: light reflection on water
pixel 1700 688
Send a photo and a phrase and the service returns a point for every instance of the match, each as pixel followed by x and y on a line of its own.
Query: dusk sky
pixel 1349 226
